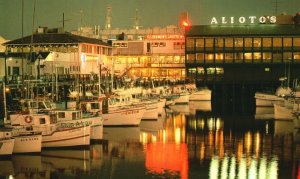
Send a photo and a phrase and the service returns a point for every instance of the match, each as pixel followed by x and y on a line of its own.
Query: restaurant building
pixel 231 51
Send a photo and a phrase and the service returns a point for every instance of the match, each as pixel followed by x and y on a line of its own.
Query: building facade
pixel 254 53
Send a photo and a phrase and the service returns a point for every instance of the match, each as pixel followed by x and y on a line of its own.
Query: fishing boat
pixel 27 142
pixel 71 118
pixel 52 134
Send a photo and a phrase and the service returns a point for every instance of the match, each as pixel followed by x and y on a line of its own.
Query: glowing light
pixel 224 168
pixel 232 168
pixel 214 168
pixel 242 168
pixel 7 90
pixel 252 173
pixel 262 168
pixel 177 135
pixel 185 24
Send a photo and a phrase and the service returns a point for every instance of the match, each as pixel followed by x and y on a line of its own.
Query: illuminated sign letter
pixel 224 20
pixel 252 18
pixel 273 19
pixel 231 20
pixel 242 20
pixel 214 21
pixel 262 19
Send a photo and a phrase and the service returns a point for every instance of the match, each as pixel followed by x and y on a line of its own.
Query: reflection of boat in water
pixel 6 168
pixel 180 108
pixel 28 166
pixel 121 134
pixel 264 112
pixel 70 162
pixel 152 126
pixel 199 106
pixel 282 127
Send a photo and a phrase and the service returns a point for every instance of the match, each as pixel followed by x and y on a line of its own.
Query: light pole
pixel 5 66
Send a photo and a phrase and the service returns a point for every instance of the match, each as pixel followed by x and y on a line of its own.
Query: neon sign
pixel 242 20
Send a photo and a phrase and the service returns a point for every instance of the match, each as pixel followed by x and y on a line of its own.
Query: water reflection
pixel 201 144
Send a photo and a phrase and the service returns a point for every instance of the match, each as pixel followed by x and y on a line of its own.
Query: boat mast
pixel 4 103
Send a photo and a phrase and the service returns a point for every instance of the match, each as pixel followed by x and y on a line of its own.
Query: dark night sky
pixel 152 12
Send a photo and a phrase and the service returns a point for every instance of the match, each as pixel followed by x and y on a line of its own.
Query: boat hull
pixel 201 96
pixel 71 137
pixel 6 147
pixel 123 116
pixel 28 144
pixel 267 100
pixel 283 113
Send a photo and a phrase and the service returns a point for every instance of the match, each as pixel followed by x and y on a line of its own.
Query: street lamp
pixel 5 66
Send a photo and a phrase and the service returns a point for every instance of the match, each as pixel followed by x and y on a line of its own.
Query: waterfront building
pixel 232 51
pixel 51 51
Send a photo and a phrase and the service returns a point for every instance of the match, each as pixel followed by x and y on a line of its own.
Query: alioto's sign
pixel 243 20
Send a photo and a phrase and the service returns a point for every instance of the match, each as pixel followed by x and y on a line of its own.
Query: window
pixel 209 57
pixel 257 56
pixel 228 57
pixel 248 56
pixel 219 71
pixel 248 42
pixel 219 42
pixel 74 116
pixel 277 57
pixel 267 56
pixel 277 42
pixel 61 115
pixel 209 43
pixel 199 44
pixel 257 42
pixel 219 57
pixel 238 57
pixel 296 55
pixel 287 42
pixel 287 55
pixel 200 71
pixel 192 71
pixel 267 42
pixel 190 44
pixel 42 121
pixel 190 57
pixel 200 56
pixel 238 42
pixel 228 42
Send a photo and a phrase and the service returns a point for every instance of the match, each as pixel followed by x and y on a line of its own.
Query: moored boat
pixel 6 143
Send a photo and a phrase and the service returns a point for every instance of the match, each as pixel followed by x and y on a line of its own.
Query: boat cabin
pixel 32 119
pixel 36 105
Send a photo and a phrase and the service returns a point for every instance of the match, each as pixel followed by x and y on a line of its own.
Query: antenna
pixel 136 20
pixel 108 17
pixel 64 20
pixel 275 6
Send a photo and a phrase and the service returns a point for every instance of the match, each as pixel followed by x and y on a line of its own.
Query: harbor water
pixel 196 140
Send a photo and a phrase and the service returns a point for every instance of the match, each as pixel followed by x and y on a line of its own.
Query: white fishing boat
pixel 52 134
pixel 123 116
pixel 283 112
pixel 27 142
pixel 6 143
pixel 269 99
pixel 71 118
pixel 198 94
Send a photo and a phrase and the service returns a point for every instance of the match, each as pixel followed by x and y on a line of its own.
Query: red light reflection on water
pixel 170 157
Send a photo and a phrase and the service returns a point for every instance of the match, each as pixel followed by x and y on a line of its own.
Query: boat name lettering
pixel 75 124
pixel 242 20
pixel 130 112
pixel 30 139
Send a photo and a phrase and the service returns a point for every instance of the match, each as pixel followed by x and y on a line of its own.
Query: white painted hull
pixel 281 112
pixel 182 99
pixel 6 146
pixel 28 144
pixel 151 111
pixel 180 108
pixel 128 116
pixel 67 137
pixel 202 95
pixel 96 124
pixel 262 99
